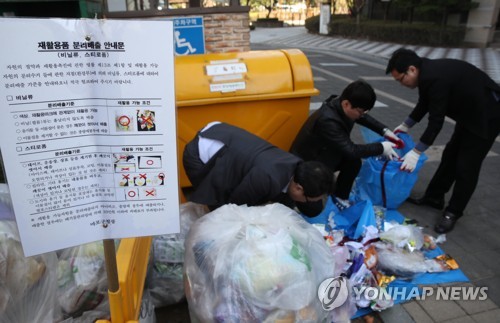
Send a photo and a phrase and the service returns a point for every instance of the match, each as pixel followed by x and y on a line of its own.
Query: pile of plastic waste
pixel 252 264
pixel 165 281
pixel 371 252
pixel 255 264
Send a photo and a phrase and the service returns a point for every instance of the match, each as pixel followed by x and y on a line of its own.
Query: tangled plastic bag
pixel 403 236
pixel 381 181
pixel 165 277
pixel 28 285
pixel 255 264
pixel 82 281
pixel 404 264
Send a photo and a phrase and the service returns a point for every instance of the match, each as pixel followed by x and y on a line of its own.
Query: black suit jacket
pixel 457 89
pixel 249 171
pixel 326 136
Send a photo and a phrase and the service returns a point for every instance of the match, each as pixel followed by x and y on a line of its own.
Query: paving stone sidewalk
pixel 475 242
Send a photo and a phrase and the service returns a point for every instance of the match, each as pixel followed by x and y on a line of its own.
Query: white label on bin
pixel 227 87
pixel 224 69
pixel 225 61
pixel 231 77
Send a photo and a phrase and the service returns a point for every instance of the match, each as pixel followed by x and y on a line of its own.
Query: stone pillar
pixel 481 23
pixel 324 17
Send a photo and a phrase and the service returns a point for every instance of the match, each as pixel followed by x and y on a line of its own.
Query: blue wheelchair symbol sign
pixel 189 36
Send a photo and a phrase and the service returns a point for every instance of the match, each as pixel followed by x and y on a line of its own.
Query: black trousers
pixel 348 170
pixel 460 165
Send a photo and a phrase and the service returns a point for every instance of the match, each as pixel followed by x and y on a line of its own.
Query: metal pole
pixel 111 268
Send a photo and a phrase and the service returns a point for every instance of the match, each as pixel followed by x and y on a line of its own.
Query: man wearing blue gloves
pixel 458 90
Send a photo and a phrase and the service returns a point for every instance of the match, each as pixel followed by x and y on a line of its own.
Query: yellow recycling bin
pixel 264 92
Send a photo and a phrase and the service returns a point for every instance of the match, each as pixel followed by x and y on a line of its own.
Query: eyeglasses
pixel 400 80
pixel 362 111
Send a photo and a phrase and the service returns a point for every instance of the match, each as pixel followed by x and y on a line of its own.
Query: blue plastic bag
pixel 355 218
pixel 381 181
pixel 322 218
pixel 352 220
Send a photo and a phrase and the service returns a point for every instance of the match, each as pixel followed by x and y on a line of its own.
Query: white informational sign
pixel 88 129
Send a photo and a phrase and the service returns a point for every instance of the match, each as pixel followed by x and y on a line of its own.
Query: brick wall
pixel 227 32
pixel 227 29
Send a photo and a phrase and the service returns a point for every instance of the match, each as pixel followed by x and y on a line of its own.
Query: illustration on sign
pixel 189 36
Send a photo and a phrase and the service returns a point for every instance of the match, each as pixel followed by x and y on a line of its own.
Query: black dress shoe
pixel 435 203
pixel 446 223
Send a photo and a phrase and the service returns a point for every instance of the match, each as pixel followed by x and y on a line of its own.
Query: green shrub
pixel 391 31
pixel 312 24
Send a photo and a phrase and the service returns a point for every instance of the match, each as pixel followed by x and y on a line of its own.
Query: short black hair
pixel 402 59
pixel 360 94
pixel 315 178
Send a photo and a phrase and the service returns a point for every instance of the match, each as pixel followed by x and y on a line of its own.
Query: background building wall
pixel 226 32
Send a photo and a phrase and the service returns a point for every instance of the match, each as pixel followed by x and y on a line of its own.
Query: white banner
pixel 88 129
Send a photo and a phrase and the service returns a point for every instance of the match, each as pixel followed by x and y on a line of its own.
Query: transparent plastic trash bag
pixel 255 264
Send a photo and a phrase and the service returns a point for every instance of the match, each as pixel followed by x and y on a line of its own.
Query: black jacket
pixel 249 171
pixel 325 136
pixel 457 89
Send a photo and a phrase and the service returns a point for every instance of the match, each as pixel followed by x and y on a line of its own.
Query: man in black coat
pixel 227 164
pixel 326 136
pixel 458 90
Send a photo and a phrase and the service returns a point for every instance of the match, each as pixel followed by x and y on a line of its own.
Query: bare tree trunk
pixel 358 6
pixel 387 5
